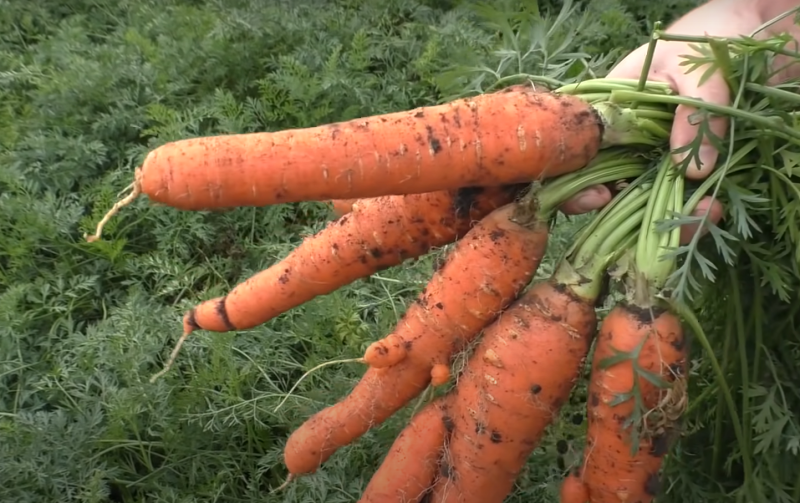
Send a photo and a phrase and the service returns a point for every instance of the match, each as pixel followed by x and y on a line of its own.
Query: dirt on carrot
pixel 656 344
pixel 484 273
pixel 512 388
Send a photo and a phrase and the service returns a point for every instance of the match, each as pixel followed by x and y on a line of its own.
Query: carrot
pixel 573 490
pixel 484 273
pixel 515 135
pixel 611 472
pixel 524 369
pixel 342 206
pixel 406 472
pixel 637 390
pixel 380 233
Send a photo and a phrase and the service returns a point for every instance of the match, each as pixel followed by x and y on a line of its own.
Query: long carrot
pixel 405 474
pixel 524 370
pixel 637 390
pixel 380 232
pixel 485 272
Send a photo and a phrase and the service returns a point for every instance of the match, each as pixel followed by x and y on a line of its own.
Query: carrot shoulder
pixel 484 273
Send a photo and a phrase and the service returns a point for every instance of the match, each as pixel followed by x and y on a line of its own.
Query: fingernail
pixel 589 200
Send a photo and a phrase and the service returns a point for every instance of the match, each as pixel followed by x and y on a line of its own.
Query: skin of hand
pixel 722 18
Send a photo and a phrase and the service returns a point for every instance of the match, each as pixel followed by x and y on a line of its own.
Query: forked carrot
pixel 515 135
pixel 405 474
pixel 380 233
pixel 525 367
pixel 483 274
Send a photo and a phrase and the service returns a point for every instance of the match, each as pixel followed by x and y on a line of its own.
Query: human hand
pixel 724 18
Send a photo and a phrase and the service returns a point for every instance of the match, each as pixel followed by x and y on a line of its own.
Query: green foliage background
pixel 87 87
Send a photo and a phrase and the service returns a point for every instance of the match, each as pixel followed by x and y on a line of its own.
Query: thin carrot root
pixel 136 190
pixel 483 274
pixel 655 343
pixel 285 484
pixel 407 471
pixel 440 374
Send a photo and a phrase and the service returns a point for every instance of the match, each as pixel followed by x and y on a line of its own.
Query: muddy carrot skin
pixel 405 474
pixel 485 272
pixel 512 389
pixel 515 135
pixel 378 233
pixel 611 472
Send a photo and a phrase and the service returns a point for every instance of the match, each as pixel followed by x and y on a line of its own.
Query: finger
pixel 714 216
pixel 684 132
pixel 590 199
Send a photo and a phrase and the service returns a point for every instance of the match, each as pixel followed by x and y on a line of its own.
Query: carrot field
pixel 89 87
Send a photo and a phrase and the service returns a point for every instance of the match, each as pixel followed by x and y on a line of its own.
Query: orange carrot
pixel 380 233
pixel 573 490
pixel 440 374
pixel 513 386
pixel 525 366
pixel 515 135
pixel 342 206
pixel 406 473
pixel 484 273
pixel 655 341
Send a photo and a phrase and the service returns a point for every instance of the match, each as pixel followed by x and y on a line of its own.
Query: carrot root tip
pixel 136 190
pixel 285 484
pixel 310 371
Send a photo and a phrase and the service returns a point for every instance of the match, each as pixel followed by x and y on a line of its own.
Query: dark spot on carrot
pixel 284 278
pixel 439 305
pixel 562 447
pixel 536 389
pixel 445 470
pixel 191 320
pixel 496 234
pixel 652 485
pixel 524 323
pixel 457 118
pixel 464 199
pixel 222 312
pixel 659 445
pixel 678 343
pixel 480 428
pixel 577 418
pixel 419 114
pixel 381 350
pixel 343 220
pixel 407 345
pixel 449 424
pixel 495 437
pixel 433 142
pixel 334 131
pixel 376 252
pixel 363 259
pixel 645 315
pixel 594 400
pixel 335 246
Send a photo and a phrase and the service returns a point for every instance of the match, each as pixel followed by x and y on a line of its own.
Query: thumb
pixel 685 127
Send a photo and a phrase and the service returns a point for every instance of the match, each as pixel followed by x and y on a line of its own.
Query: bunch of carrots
pixel 486 175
